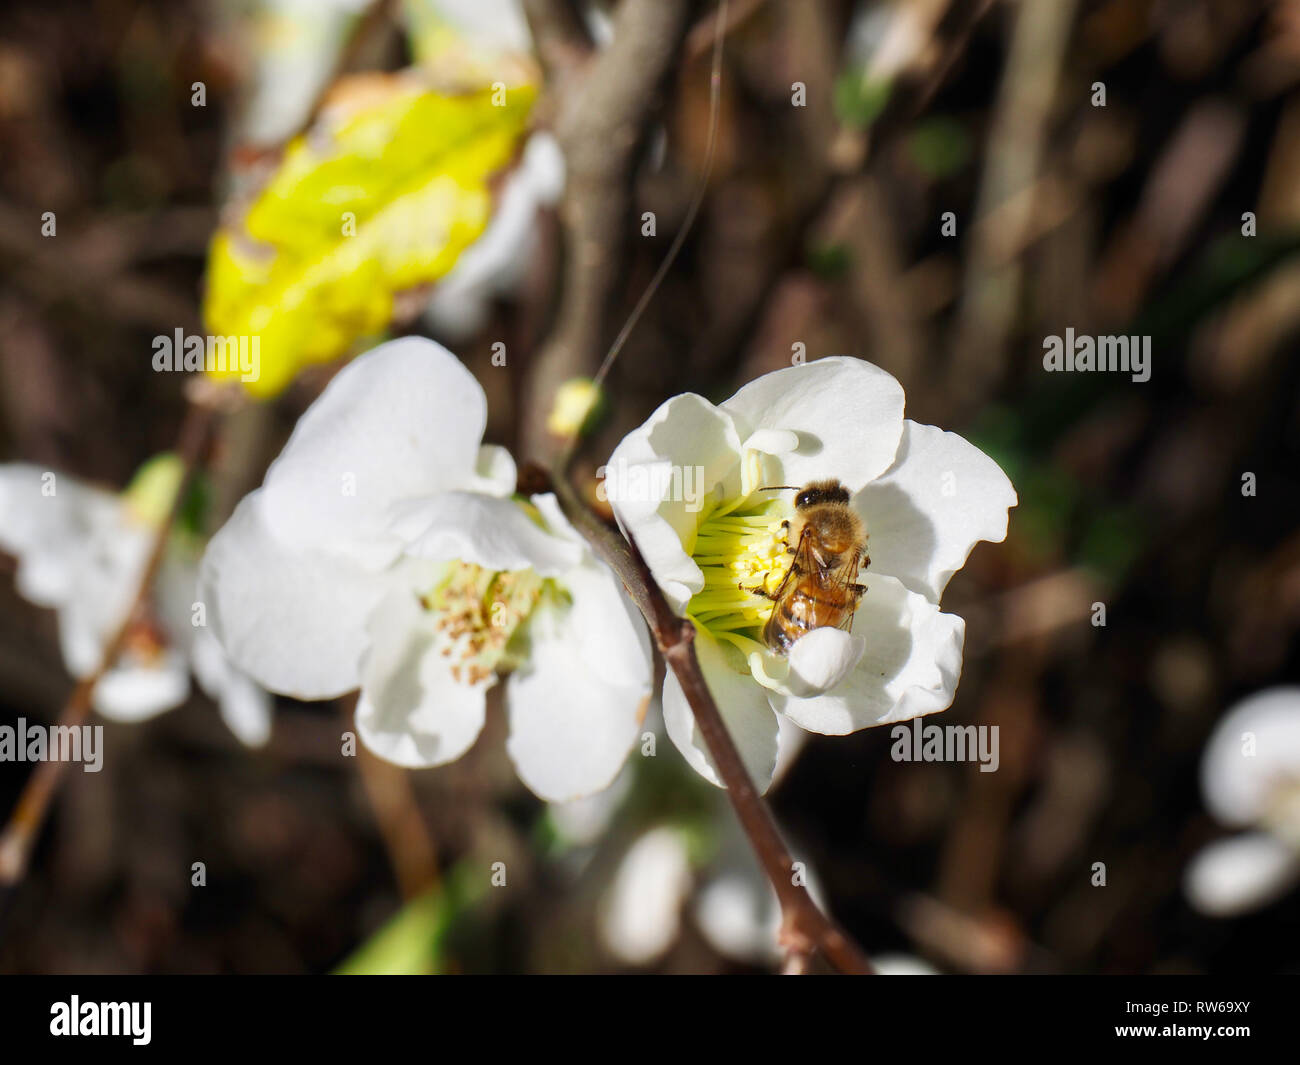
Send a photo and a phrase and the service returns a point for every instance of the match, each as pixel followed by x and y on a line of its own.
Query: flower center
pixel 477 613
pixel 737 547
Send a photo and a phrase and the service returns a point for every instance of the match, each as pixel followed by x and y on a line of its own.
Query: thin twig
pixel 804 928
pixel 33 804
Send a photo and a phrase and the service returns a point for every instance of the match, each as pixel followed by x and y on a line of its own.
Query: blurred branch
pixel 601 125
pixel 705 33
pixel 1179 190
pixel 559 34
pixel 33 804
pixel 1013 161
pixel 401 826
pixel 805 930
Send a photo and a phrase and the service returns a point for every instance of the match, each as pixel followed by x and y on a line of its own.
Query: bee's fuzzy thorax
pixel 817 493
pixel 839 528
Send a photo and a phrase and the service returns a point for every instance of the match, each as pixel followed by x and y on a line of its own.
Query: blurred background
pixel 1114 166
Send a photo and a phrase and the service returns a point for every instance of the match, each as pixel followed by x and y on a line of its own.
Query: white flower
pixel 690 487
pixel 82 551
pixel 640 913
pixel 384 551
pixel 731 900
pixel 1250 776
pixel 736 907
pixel 733 904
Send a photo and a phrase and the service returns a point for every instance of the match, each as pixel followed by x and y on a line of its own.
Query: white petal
pixel 581 822
pixel 294 61
pixel 576 705
pixel 245 706
pixel 412 710
pixel 493 533
pixel 81 644
pixel 773 441
pixel 78 551
pixel 495 473
pixel 292 618
pixel 744 708
pixel 26 514
pixel 911 665
pixel 138 691
pixel 1240 874
pixel 847 412
pixel 790 742
pixel 1253 748
pixel 544 167
pixel 820 659
pixel 602 619
pixel 640 913
pixel 51 535
pixel 46 578
pixel 740 917
pixel 657 482
pixel 246 709
pixel 939 499
pixel 497 262
pixel 109 563
pixel 402 421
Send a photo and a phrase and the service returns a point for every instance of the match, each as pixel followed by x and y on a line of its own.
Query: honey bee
pixel 820 588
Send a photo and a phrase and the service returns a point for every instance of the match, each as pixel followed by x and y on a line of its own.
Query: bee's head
pixel 821 492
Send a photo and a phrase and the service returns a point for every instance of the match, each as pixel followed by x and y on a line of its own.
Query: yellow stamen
pixel 477 613
pixel 740 545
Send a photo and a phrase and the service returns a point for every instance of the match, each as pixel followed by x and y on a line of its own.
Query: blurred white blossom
pixel 81 551
pixel 639 915
pixel 1250 777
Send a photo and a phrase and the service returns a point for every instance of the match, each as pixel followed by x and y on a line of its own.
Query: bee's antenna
pixel 779 488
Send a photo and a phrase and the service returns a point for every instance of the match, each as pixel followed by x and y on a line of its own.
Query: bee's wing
pixel 845 579
pixel 804 562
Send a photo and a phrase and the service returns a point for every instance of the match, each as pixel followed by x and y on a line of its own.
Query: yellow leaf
pixel 380 197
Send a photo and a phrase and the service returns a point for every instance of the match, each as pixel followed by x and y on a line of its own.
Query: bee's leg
pixel 760 590
pixel 857 591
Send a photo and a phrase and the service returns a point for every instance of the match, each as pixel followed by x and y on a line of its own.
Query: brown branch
pixel 33 804
pixel 560 37
pixel 705 33
pixel 804 928
pixel 601 124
